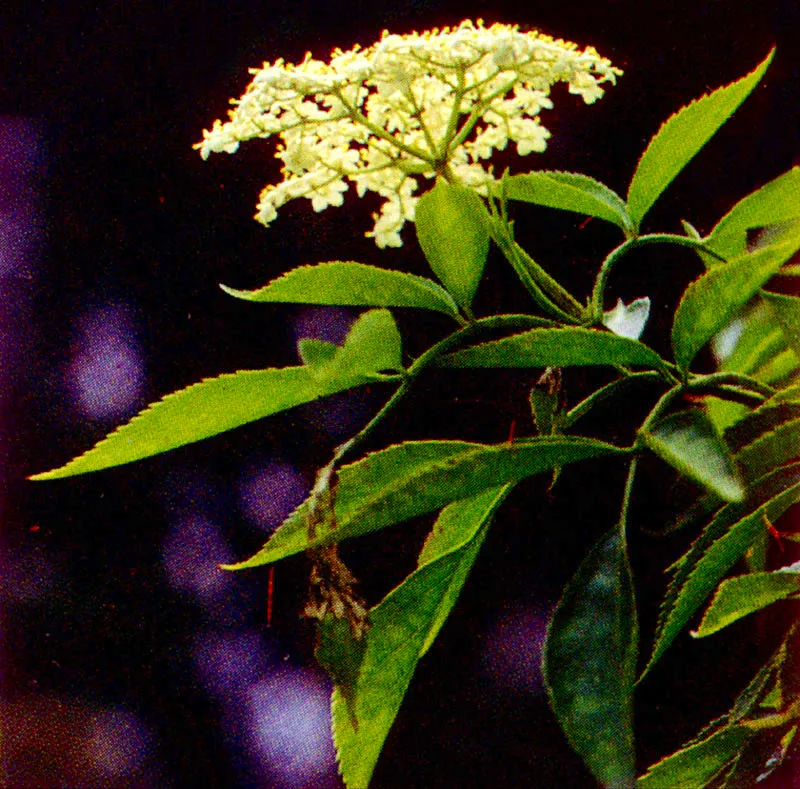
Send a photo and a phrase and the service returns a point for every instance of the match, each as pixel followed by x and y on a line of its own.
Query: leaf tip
pixel 237 294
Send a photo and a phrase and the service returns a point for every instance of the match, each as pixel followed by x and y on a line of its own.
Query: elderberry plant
pixel 416 119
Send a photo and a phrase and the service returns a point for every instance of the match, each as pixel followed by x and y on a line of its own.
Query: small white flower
pixel 423 104
pixel 628 320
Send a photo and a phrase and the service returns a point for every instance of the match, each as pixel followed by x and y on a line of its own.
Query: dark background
pixel 117 234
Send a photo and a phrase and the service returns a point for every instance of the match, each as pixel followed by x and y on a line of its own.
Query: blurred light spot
pixel 106 373
pixel 724 343
pixel 192 553
pixel 513 652
pixel 323 323
pixel 290 729
pixel 227 664
pixel 270 493
pixel 118 743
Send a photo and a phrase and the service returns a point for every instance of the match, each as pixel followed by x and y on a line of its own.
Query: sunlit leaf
pixel 745 594
pixel 569 192
pixel 712 301
pixel 347 283
pixel 216 405
pixel 590 660
pixel 697 764
pixel 688 441
pixel 453 230
pixel 560 347
pixel 416 477
pixel 777 201
pixel 681 137
pixel 722 543
pixel 402 627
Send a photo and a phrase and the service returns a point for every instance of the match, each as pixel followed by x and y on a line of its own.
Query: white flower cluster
pixel 419 105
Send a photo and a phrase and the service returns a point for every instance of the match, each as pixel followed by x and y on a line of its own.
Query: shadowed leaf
pixel 590 660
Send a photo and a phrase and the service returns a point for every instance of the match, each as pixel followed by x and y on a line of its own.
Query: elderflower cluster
pixel 410 106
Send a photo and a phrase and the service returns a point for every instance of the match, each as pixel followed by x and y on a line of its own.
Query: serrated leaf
pixel 402 627
pixel 570 192
pixel 216 405
pixel 786 310
pixel 698 764
pixel 689 443
pixel 745 594
pixel 774 448
pixel 712 301
pixel 681 137
pixel 417 477
pixel 453 230
pixel 590 660
pixel 346 283
pixel 769 415
pixel 777 201
pixel 722 543
pixel 558 347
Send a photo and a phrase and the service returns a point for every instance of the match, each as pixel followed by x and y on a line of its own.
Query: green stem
pixel 536 279
pixel 732 379
pixel 626 496
pixel 598 292
pixel 428 359
pixel 359 117
pixel 598 396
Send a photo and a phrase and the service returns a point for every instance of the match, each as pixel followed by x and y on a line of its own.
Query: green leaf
pixel 745 594
pixel 352 284
pixel 697 764
pixel 777 201
pixel 316 352
pixel 570 192
pixel 722 543
pixel 786 310
pixel 373 344
pixel 370 687
pixel 556 348
pixel 216 405
pixel 453 230
pixel 711 302
pixel 417 477
pixel 590 660
pixel 774 448
pixel 681 137
pixel 688 441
